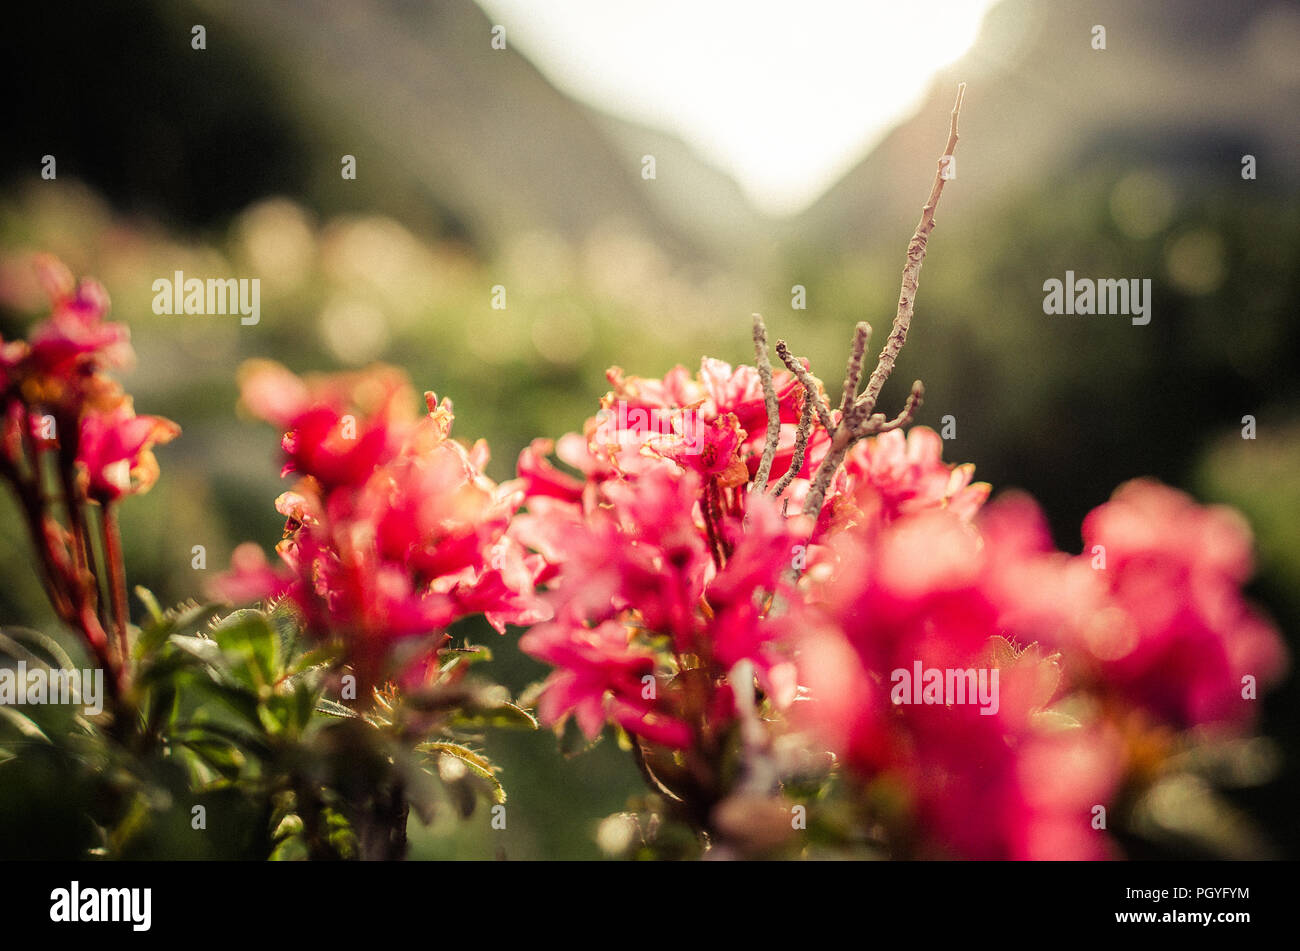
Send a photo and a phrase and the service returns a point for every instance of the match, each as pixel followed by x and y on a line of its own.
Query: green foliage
pixel 225 746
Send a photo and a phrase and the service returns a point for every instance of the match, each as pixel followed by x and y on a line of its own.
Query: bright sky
pixel 786 95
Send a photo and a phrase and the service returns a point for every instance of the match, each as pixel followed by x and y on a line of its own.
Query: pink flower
pixel 1030 786
pixel 339 428
pixel 743 625
pixel 59 371
pixel 115 448
pixel 713 451
pixel 644 553
pixel 601 674
pixel 662 535
pixel 1176 570
pixel 686 419
pixel 541 479
pixel 910 590
pixel 924 589
pixel 891 475
pixel 76 335
pixel 250 578
pixel 1041 593
pixel 646 559
pixel 740 393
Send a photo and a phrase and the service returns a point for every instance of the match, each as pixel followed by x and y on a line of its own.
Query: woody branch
pixel 857 416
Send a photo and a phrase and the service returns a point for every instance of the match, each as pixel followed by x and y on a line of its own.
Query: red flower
pixel 339 428
pixel 541 479
pixel 393 533
pixel 918 594
pixel 250 578
pixel 711 449
pixel 601 674
pixel 59 372
pixel 641 558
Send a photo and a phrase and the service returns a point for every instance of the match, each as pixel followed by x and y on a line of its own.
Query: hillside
pixel 1189 86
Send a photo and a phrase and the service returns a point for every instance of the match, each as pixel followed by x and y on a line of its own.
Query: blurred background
pixel 791 145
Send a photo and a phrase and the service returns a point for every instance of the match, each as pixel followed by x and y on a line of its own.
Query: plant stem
pixel 116 570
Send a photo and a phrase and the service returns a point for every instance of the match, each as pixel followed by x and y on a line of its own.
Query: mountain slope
pixel 1173 79
pixel 420 88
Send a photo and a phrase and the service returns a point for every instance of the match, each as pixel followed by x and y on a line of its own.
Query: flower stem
pixel 116 570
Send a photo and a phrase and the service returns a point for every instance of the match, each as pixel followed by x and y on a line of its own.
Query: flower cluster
pixel 985 695
pixel 730 586
pixel 393 532
pixel 662 550
pixel 660 566
pixel 66 422
pixel 1151 613
pixel 665 569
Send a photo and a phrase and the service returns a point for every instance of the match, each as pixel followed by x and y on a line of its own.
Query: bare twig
pixel 800 448
pixel 859 418
pixel 853 372
pixel 764 364
pixel 796 367
pixel 914 401
pixel 812 503
pixel 912 270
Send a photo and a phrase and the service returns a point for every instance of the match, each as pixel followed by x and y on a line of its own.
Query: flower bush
pixel 813 635
pixel 313 725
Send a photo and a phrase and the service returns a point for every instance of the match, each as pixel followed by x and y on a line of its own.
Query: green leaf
pixel 21 643
pixel 154 634
pixel 475 763
pixel 24 724
pixel 208 733
pixel 251 646
pixel 192 616
pixel 228 697
pixel 500 715
pixel 316 657
pixel 202 649
pixel 332 709
pixel 287 626
pixel 150 604
pixel 221 755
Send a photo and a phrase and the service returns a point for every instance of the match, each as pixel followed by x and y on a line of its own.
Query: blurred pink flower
pixel 1176 570
pixel 76 335
pixel 115 449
